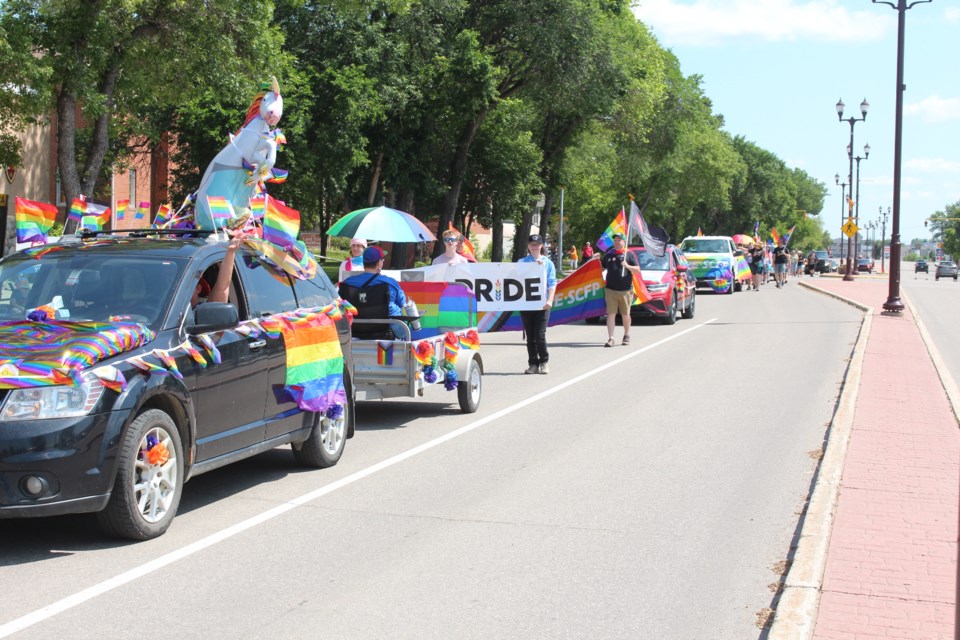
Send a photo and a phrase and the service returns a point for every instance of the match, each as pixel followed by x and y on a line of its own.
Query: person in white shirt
pixel 450 255
pixel 354 263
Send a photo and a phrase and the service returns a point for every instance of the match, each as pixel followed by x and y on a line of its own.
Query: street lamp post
pixel 843 218
pixel 864 106
pixel 893 302
pixel 866 154
pixel 883 240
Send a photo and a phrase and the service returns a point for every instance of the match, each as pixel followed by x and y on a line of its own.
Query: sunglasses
pixel 450 240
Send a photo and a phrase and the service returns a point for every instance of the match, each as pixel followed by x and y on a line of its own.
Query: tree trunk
pixel 522 231
pixel 375 180
pixel 458 170
pixel 100 139
pixel 67 145
pixel 496 237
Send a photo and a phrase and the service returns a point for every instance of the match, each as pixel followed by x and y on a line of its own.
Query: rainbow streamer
pixel 619 225
pixel 220 207
pixel 194 353
pixel 210 346
pixel 33 219
pixel 169 362
pixel 384 353
pixel 281 224
pixel 111 377
pixel 423 352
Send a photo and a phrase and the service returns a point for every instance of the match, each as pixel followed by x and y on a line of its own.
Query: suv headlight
pixel 658 288
pixel 41 403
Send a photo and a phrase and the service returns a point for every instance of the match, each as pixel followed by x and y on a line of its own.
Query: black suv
pixel 822 264
pixel 921 265
pixel 125 454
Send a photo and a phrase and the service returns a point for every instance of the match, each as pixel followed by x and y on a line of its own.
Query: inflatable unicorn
pixel 238 172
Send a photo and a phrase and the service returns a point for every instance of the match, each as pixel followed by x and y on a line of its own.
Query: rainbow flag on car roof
pixel 281 224
pixel 33 219
pixel 220 208
pixel 78 208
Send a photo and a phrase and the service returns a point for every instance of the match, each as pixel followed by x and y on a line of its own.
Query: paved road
pixel 635 492
pixel 938 304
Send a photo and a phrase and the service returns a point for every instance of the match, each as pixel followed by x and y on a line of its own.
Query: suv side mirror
pixel 682 267
pixel 738 253
pixel 213 316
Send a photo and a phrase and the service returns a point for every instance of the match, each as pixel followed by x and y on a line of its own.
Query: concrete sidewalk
pixel 889 570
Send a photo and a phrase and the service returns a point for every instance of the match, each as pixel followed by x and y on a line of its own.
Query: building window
pixel 60 197
pixel 133 188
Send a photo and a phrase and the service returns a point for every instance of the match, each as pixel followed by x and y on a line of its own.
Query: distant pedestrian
pixel 535 322
pixel 587 251
pixel 618 293
pixel 574 257
pixel 450 255
pixel 780 259
pixel 756 266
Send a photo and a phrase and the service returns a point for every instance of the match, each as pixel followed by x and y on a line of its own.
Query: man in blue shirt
pixel 535 322
pixel 372 264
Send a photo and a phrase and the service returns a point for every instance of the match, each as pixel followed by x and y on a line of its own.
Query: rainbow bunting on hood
pixel 281 224
pixel 619 225
pixel 33 219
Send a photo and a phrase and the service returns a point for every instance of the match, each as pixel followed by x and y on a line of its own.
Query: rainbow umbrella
pixel 741 238
pixel 381 223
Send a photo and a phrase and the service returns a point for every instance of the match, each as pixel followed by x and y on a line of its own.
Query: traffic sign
pixel 849 228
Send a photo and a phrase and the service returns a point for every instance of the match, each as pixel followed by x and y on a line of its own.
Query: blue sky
pixel 775 69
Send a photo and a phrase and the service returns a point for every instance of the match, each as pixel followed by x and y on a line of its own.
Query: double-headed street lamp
pixel 864 106
pixel 866 154
pixel 843 208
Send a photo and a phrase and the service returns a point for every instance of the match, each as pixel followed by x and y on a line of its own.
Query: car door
pixel 230 396
pixel 270 292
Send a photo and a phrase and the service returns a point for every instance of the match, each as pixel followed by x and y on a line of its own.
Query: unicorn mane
pixel 254 111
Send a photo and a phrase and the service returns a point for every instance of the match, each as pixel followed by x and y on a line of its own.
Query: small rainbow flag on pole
pixel 789 235
pixel 143 211
pixel 774 236
pixel 78 208
pixel 33 219
pixel 122 208
pixel 281 224
pixel 258 206
pixel 96 217
pixel 163 215
pixel 220 208
pixel 619 225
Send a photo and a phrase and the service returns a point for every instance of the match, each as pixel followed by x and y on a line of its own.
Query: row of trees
pixel 454 110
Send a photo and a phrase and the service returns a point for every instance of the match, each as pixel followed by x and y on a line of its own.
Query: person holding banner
pixel 535 322
pixel 451 239
pixel 618 293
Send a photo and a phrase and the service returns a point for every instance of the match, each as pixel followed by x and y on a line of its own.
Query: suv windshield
pixel 704 245
pixel 822 255
pixel 96 286
pixel 649 262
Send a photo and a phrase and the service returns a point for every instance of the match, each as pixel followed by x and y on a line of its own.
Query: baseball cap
pixel 359 241
pixel 618 235
pixel 535 238
pixel 373 254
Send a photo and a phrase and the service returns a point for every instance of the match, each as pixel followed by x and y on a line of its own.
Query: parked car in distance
pixel 921 265
pixel 125 453
pixel 865 264
pixel 822 264
pixel 834 265
pixel 946 269
pixel 671 284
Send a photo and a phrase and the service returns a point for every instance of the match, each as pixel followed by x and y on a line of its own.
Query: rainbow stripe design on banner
pixel 122 208
pixel 33 219
pixel 442 306
pixel 619 225
pixel 281 224
pixel 384 353
pixel 314 361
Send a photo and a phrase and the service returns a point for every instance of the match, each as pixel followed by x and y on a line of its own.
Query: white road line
pixel 58 607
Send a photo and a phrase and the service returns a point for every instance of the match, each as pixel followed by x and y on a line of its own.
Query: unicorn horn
pixel 274 85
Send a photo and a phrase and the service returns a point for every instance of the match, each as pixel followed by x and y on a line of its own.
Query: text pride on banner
pixel 497 286
pixel 579 296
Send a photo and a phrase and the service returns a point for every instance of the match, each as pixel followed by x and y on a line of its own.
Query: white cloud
pixel 935 109
pixel 706 22
pixel 951 14
pixel 933 165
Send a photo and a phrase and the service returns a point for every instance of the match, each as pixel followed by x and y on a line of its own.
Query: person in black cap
pixel 618 291
pixel 372 264
pixel 535 322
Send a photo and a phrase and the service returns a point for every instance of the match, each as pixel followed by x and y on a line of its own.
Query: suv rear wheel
pixel 146 492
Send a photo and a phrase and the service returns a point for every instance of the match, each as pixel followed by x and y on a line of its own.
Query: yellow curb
pixel 796 614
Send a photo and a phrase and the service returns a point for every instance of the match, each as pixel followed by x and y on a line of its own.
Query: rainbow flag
pixel 258 207
pixel 789 235
pixel 743 269
pixel 774 236
pixel 384 353
pixel 699 232
pixel 33 219
pixel 441 305
pixel 468 250
pixel 579 296
pixel 163 216
pixel 143 211
pixel 619 225
pixel 122 208
pixel 220 208
pixel 78 209
pixel 314 362
pixel 641 295
pixel 281 224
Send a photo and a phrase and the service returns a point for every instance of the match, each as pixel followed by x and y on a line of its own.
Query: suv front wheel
pixel 146 492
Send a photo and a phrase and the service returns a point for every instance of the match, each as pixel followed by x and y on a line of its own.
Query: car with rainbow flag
pixel 116 387
pixel 714 262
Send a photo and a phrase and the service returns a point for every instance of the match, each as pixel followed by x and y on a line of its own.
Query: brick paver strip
pixel 891 563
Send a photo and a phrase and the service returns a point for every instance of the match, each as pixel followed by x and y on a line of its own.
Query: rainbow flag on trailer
pixel 619 225
pixel 33 219
pixel 441 306
pixel 281 224
pixel 314 363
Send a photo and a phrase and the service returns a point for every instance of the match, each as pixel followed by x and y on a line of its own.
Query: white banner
pixel 497 286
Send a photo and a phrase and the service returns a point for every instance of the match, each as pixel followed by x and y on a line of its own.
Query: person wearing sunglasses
pixel 450 255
